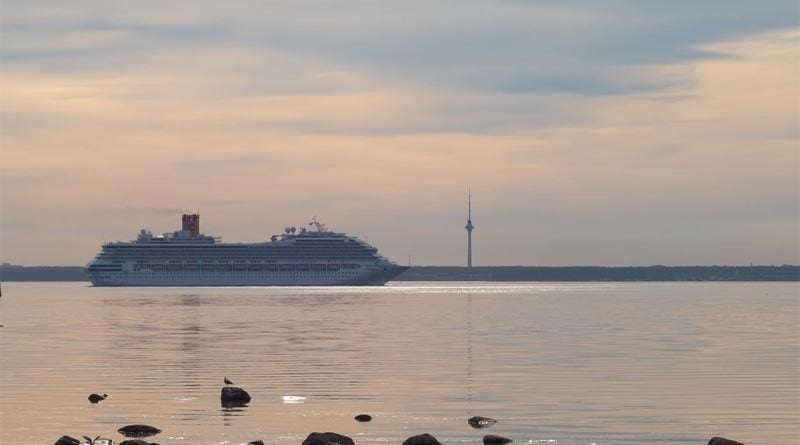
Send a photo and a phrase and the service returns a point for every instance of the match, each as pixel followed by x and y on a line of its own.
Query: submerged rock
pixel 136 442
pixel 422 439
pixel 255 442
pixel 327 439
pixel 723 441
pixel 234 396
pixel 138 430
pixel 363 417
pixel 481 422
pixel 94 398
pixel 67 440
pixel 491 439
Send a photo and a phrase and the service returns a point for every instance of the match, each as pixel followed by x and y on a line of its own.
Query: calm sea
pixel 554 363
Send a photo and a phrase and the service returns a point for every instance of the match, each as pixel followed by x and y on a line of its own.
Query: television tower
pixel 469 228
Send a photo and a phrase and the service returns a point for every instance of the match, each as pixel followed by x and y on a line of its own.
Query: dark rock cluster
pixel 136 442
pixel 491 439
pixel 327 439
pixel 481 422
pixel 95 398
pixel 723 441
pixel 138 430
pixel 421 439
pixel 232 396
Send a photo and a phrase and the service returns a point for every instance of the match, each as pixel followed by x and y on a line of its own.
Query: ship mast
pixel 320 227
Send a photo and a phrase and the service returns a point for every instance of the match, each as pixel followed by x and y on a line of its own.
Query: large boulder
pixel 67 440
pixel 481 422
pixel 327 439
pixel 422 439
pixel 491 439
pixel 723 441
pixel 234 396
pixel 138 430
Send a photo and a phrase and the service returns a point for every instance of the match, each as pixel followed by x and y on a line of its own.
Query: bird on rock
pixel 228 382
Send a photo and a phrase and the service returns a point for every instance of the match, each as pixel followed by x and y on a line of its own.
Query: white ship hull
pixel 367 277
pixel 189 258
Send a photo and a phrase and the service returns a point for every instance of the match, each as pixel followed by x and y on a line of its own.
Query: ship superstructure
pixel 189 258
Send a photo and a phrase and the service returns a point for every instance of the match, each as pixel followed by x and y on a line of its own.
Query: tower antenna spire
pixel 469 204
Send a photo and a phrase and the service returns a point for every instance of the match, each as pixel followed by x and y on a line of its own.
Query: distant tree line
pixel 596 273
pixel 504 273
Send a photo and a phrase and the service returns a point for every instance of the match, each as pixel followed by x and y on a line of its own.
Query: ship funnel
pixel 191 224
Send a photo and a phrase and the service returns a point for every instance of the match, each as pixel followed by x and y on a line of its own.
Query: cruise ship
pixel 186 257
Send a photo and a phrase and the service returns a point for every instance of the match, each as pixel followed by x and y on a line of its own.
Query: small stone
pixel 481 422
pixel 136 442
pixel 98 441
pixel 327 439
pixel 255 442
pixel 94 398
pixel 491 439
pixel 363 417
pixel 67 440
pixel 234 396
pixel 138 430
pixel 723 441
pixel 422 439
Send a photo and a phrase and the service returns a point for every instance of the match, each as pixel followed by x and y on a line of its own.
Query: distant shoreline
pixel 503 273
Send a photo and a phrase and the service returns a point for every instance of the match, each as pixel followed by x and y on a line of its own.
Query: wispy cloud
pixel 584 131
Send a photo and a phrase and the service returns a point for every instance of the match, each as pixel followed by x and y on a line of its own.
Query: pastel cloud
pixel 686 158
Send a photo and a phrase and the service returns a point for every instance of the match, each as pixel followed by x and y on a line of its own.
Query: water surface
pixel 555 363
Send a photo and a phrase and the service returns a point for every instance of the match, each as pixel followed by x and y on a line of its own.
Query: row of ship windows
pixel 245 260
pixel 242 248
pixel 236 254
pixel 273 262
pixel 189 255
pixel 179 268
pixel 162 274
pixel 239 252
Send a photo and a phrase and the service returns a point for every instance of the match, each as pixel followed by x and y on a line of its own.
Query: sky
pixel 589 132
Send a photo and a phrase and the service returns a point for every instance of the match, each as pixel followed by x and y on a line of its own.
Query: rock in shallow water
pixel 234 396
pixel 363 417
pixel 136 442
pixel 491 439
pixel 138 430
pixel 255 442
pixel 327 439
pixel 723 441
pixel 422 439
pixel 67 440
pixel 481 422
pixel 95 398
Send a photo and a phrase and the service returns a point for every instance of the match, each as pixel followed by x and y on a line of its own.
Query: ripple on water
pixel 563 363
